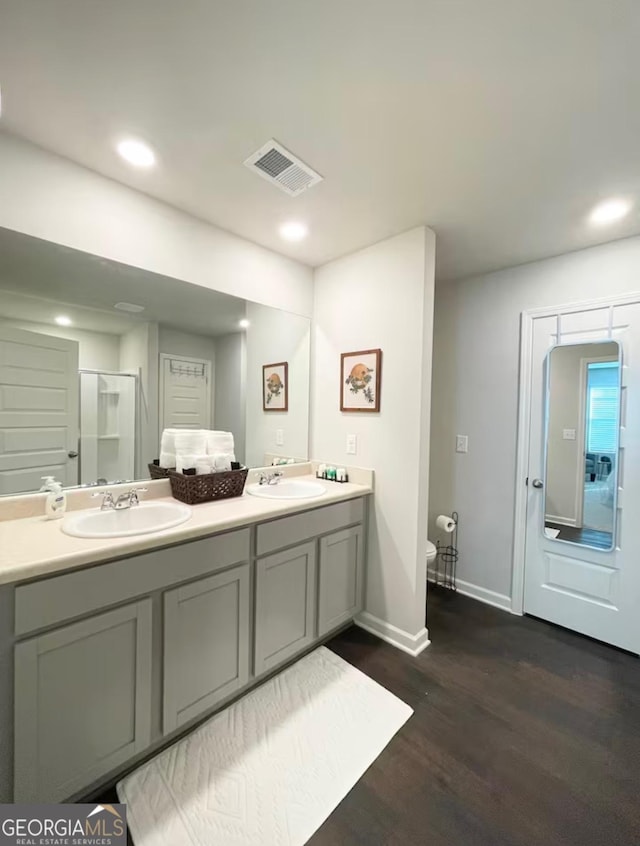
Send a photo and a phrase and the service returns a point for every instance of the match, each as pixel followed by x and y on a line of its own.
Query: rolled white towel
pixel 186 461
pixel 168 441
pixel 167 460
pixel 220 442
pixel 204 465
pixel 191 442
pixel 221 462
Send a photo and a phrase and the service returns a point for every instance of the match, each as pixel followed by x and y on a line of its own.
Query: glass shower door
pixel 107 427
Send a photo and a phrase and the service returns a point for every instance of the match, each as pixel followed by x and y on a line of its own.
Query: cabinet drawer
pixel 300 527
pixel 59 598
pixel 82 702
pixel 285 605
pixel 206 644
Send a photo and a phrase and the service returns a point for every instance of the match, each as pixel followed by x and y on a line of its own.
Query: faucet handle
pixel 133 495
pixel 107 499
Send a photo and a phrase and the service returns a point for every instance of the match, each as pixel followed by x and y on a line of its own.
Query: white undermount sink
pixel 137 520
pixel 287 489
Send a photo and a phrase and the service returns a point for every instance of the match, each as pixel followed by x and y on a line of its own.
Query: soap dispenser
pixel 56 502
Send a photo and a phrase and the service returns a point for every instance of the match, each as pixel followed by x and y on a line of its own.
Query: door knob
pixel 538 483
pixel 72 453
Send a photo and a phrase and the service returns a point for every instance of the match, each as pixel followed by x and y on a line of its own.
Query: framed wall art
pixel 275 386
pixel 360 380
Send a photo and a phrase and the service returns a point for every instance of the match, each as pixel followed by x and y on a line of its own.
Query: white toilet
pixel 432 552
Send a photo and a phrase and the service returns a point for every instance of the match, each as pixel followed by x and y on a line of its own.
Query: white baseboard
pixel 412 644
pixel 561 521
pixel 489 597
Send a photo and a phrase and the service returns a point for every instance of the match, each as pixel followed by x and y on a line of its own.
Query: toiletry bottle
pixel 56 502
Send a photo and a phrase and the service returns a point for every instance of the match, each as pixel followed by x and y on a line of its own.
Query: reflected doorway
pixel 582 443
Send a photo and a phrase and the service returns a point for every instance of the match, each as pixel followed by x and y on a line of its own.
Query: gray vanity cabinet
pixel 82 702
pixel 206 644
pixel 340 578
pixel 285 605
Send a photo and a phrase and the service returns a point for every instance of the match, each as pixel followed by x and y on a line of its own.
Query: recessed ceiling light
pixel 63 320
pixel 294 231
pixel 609 212
pixel 136 152
pixel 244 323
pixel 132 308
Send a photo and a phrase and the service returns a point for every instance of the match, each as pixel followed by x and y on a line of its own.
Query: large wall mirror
pixel 583 425
pixel 97 358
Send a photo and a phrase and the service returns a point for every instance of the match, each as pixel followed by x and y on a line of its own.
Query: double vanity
pixel 112 644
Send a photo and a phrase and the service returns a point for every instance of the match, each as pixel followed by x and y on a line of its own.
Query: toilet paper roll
pixel 445 523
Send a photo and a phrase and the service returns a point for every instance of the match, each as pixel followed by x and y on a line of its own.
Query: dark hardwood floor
pixel 523 735
pixel 589 537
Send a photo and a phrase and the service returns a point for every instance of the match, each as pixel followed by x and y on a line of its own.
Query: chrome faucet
pixel 270 478
pixel 124 501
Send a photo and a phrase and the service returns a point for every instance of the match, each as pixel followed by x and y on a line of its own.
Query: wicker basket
pixel 208 486
pixel 157 472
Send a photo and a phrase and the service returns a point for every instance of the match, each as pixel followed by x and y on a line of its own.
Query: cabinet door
pixel 340 583
pixel 285 605
pixel 206 644
pixel 82 702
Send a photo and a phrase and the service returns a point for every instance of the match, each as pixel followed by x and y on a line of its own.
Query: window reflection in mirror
pixel 583 424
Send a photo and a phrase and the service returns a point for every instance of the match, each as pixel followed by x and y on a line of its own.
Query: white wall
pixel 382 296
pixel 176 342
pixel 49 197
pixel 475 391
pixel 275 336
pixel 230 389
pixel 96 350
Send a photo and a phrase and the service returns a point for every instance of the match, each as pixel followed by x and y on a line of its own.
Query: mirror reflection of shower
pixel 107 426
pixel 583 424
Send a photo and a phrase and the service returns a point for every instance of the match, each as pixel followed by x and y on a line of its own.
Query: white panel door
pixel 185 393
pixel 587 590
pixel 38 410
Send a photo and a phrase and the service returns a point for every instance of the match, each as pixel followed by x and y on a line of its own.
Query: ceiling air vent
pixel 281 168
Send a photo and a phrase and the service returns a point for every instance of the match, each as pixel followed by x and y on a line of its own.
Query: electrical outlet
pixel 462 443
pixel 352 444
pixel 279 437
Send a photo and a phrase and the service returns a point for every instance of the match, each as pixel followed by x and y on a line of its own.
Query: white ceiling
pixel 497 122
pixel 40 280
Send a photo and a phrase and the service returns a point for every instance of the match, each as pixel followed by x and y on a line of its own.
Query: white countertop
pixel 34 546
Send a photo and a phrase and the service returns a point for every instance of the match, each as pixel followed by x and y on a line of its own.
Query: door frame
pixel 527 319
pixel 207 369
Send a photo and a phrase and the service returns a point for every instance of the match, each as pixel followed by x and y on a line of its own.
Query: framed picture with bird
pixel 275 386
pixel 360 380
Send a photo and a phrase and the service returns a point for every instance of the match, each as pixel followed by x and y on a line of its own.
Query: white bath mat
pixel 268 770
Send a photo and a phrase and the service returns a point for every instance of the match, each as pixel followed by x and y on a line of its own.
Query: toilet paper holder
pixel 447 558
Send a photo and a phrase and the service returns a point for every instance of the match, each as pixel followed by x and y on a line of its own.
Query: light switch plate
pixel 569 434
pixel 279 437
pixel 462 443
pixel 352 444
